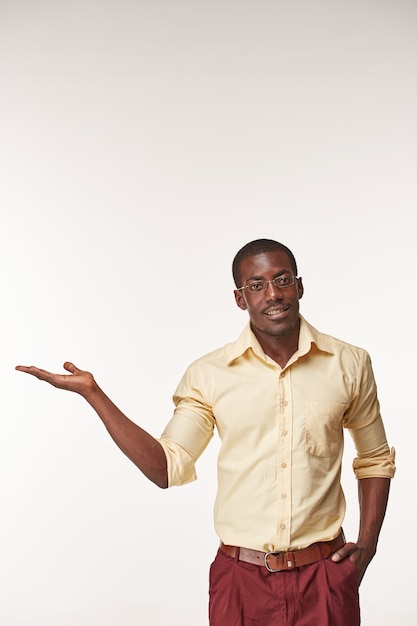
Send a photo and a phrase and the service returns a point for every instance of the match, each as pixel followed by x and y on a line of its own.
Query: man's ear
pixel 300 287
pixel 240 300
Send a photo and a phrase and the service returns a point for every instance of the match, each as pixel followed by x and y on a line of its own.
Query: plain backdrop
pixel 142 144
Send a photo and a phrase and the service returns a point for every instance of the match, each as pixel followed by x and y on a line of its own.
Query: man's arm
pixel 373 499
pixel 138 445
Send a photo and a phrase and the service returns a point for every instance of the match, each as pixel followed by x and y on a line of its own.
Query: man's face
pixel 273 311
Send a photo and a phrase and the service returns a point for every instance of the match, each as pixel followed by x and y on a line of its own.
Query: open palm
pixel 79 381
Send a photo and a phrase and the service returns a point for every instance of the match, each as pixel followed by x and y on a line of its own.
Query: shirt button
pixel 285 433
pixel 285 403
pixel 283 496
pixel 283 465
pixel 282 526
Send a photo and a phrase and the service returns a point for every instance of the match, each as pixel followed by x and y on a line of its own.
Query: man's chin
pixel 281 329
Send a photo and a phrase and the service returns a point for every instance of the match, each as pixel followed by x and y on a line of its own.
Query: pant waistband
pixel 279 561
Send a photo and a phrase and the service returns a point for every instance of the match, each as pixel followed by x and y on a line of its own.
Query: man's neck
pixel 280 348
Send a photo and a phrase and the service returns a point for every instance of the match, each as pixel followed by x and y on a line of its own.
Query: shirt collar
pixel 308 336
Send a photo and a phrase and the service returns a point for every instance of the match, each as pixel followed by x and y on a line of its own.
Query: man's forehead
pixel 275 261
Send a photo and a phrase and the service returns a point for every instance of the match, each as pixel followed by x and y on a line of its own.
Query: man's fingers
pixel 57 380
pixel 343 552
pixel 35 371
pixel 44 374
pixel 76 380
pixel 70 367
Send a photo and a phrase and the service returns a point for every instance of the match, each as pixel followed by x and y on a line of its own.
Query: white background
pixel 142 144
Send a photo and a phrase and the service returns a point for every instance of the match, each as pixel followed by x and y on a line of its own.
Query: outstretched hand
pixel 139 446
pixel 79 381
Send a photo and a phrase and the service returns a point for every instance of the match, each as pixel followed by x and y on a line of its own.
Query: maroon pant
pixel 321 594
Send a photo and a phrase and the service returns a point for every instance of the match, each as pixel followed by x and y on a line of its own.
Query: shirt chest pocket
pixel 324 428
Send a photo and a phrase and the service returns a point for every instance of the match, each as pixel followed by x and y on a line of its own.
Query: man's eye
pixel 258 286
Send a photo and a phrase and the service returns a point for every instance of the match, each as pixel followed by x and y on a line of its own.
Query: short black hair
pixel 259 246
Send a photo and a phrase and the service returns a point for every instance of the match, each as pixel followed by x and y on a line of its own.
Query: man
pixel 280 397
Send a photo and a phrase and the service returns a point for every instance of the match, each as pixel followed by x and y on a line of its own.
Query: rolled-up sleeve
pixel 190 429
pixel 374 457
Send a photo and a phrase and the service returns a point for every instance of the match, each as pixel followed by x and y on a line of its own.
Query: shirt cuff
pixel 381 466
pixel 180 464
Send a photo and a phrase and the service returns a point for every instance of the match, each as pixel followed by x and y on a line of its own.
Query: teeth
pixel 274 311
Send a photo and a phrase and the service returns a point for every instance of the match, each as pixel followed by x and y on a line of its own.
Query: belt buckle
pixel 289 561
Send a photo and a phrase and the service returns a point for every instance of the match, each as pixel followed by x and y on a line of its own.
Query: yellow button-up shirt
pixel 281 430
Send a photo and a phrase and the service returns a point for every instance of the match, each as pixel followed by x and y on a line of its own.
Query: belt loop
pixel 237 554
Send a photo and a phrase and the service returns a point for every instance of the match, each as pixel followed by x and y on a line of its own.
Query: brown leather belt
pixel 278 561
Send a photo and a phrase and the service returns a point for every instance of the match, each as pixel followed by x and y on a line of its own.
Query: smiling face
pixel 274 311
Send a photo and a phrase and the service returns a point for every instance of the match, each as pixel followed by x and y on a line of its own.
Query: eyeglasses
pixel 256 286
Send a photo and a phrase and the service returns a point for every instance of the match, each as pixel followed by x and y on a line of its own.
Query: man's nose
pixel 272 291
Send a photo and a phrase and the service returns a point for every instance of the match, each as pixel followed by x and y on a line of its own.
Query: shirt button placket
pixel 284 461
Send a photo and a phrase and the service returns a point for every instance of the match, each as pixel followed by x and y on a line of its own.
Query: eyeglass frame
pixel 266 283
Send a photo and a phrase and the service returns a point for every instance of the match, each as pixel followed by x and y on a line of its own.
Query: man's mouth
pixel 277 310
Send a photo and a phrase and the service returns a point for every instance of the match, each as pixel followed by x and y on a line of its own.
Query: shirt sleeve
pixel 190 429
pixel 363 418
